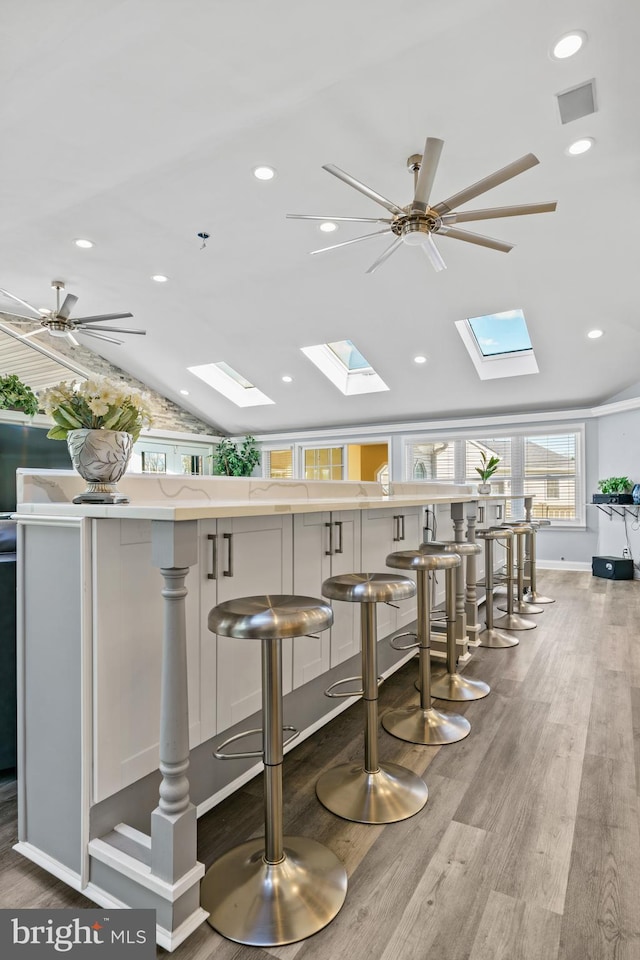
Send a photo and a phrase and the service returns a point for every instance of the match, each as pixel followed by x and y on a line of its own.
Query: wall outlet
pixel 626 554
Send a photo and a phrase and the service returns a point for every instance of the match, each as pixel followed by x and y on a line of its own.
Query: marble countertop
pixel 163 497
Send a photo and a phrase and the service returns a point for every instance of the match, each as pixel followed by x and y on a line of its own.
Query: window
pixel 498 344
pixel 230 384
pixel 153 462
pixel 546 466
pixel 191 463
pixel 344 365
pixel 323 463
pixel 278 464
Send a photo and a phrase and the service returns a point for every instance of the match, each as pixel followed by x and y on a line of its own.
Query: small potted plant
pixel 100 419
pixel 614 490
pixel 231 459
pixel 489 465
pixel 16 395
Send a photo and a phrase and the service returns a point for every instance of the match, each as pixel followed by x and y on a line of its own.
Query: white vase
pixel 484 488
pixel 101 458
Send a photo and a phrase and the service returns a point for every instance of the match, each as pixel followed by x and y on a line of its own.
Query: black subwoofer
pixel 612 568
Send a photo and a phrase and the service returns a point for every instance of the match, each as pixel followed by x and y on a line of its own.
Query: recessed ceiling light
pixel 580 146
pixel 328 226
pixel 264 173
pixel 568 45
pixel 420 359
pixel 159 278
pixel 287 379
pixel 85 244
pixel 185 393
pixel 595 334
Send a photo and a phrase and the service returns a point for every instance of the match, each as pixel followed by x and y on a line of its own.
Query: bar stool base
pixel 537 598
pixel 511 621
pixel 390 794
pixel 430 727
pixel 522 607
pixel 496 640
pixel 269 904
pixel 453 686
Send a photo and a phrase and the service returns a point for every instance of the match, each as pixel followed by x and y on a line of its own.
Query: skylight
pixel 343 364
pixel 498 344
pixel 499 333
pixel 230 384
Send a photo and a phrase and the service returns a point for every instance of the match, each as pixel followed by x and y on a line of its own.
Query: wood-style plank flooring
pixel 529 846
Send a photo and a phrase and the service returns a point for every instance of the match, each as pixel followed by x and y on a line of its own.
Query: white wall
pixel 619 456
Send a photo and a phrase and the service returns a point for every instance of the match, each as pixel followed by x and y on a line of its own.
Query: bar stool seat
pixel 370 792
pixel 423 723
pixel 451 685
pixel 490 637
pixel 279 889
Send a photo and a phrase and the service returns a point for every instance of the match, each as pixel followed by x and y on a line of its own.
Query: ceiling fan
pixel 418 222
pixel 58 323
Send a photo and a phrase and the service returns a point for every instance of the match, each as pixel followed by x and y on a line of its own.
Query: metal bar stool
pixel 490 637
pixel 532 595
pixel 511 620
pixel 276 890
pixel 451 685
pixel 521 530
pixel 374 792
pixel 423 723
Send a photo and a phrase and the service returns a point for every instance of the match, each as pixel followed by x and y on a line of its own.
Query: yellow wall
pixel 365 460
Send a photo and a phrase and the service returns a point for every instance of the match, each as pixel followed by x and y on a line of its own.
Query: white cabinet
pixel 384 532
pixel 253 555
pixel 325 545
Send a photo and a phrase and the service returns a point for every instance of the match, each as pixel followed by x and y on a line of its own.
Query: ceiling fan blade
pixel 304 216
pixel 68 304
pixel 34 333
pixel 23 302
pixel 433 253
pixel 20 316
pixel 476 238
pixel 368 192
pixel 492 213
pixel 385 256
pixel 73 340
pixel 345 243
pixel 426 176
pixel 98 318
pixel 98 336
pixel 79 328
pixel 487 183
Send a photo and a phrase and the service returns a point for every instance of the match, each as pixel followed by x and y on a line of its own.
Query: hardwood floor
pixel 529 846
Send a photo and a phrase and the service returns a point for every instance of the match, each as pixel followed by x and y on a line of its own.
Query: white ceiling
pixel 136 123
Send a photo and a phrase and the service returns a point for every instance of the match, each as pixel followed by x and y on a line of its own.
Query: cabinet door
pixel 345 558
pixel 379 539
pixel 408 530
pixel 313 537
pixel 255 556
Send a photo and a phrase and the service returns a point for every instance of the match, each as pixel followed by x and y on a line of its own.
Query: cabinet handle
pixel 397 531
pixel 498 511
pixel 480 514
pixel 338 524
pixel 402 518
pixel 214 556
pixel 229 571
pixel 329 552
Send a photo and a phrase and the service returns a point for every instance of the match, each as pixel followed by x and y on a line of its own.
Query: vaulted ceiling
pixel 137 124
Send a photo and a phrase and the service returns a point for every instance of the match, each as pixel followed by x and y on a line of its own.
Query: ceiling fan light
pixel 413 238
pixel 568 45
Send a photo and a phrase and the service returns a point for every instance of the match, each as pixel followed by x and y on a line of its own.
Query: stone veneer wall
pixel 167 415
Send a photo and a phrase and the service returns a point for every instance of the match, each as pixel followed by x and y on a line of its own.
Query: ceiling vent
pixel 577 102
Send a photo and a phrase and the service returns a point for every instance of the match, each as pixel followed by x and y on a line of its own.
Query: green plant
pixel 615 485
pixel 97 404
pixel 16 395
pixel 489 466
pixel 235 460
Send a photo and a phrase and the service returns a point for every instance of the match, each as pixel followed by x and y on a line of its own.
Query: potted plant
pixel 100 420
pixel 614 490
pixel 16 395
pixel 235 460
pixel 489 465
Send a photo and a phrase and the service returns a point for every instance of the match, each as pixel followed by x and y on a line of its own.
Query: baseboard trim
pixel 577 565
pixel 50 864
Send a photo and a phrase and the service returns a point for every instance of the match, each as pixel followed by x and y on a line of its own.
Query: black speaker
pixel 612 568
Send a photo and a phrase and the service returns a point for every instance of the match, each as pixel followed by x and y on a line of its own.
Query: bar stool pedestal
pixel 489 636
pixel 511 620
pixel 423 723
pixel 372 792
pixel 521 529
pixel 532 595
pixel 277 889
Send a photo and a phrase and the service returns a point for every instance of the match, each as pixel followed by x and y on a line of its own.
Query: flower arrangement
pixel 16 395
pixel 97 404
